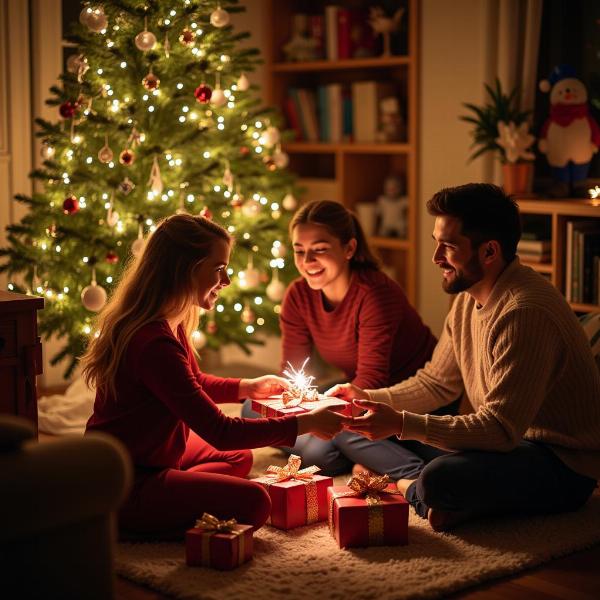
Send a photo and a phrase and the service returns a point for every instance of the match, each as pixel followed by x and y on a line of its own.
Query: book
pixel 323 110
pixel 308 110
pixel 335 126
pixel 539 258
pixel 344 42
pixel 362 37
pixel 366 98
pixel 295 107
pixel 534 246
pixel 569 262
pixel 331 27
pixel 316 30
pixel 347 131
pixel 293 118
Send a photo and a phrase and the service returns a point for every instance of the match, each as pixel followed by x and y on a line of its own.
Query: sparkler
pixel 301 386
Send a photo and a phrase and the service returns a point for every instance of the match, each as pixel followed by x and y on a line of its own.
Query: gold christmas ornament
pixel 219 17
pixel 127 157
pixel 145 40
pixel 105 154
pixel 289 202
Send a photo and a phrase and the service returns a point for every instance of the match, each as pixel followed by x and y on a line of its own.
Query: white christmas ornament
pixel 93 297
pixel 78 65
pixel 219 17
pixel 198 339
pixel 275 289
pixel 270 137
pixel 145 40
pixel 289 202
pixel 218 97
pixel 155 180
pixel 242 83
pixel 93 18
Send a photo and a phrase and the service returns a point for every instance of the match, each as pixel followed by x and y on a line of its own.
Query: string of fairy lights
pixel 113 111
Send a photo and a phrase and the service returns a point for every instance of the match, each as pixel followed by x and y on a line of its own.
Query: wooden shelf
pixel 348 148
pixel 378 62
pixel 391 243
pixel 579 307
pixel 575 207
pixel 540 267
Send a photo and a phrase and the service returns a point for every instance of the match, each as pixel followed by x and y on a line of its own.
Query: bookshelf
pixel 354 172
pixel 559 213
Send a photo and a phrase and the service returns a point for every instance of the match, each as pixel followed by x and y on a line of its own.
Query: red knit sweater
pixel 374 335
pixel 161 394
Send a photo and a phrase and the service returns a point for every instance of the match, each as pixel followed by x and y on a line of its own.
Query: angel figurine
pixel 384 25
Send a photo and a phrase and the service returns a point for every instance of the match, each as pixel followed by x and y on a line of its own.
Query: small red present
pixel 369 511
pixel 218 544
pixel 298 496
pixel 276 407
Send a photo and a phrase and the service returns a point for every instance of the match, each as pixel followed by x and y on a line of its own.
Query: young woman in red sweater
pixel 357 319
pixel 188 456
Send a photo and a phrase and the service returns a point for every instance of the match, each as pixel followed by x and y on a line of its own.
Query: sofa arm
pixel 51 484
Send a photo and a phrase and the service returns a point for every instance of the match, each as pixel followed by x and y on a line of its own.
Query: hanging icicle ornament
pixel 145 40
pixel 243 83
pixel 249 277
pixel 93 18
pixel 270 137
pixel 228 178
pixel 198 339
pixel 280 158
pixel 187 37
pixel 138 245
pixel 151 82
pixel 167 45
pixel 78 65
pixel 155 180
pixel 70 205
pixel 248 315
pixel 218 97
pixel 203 93
pixel 112 216
pixel 93 297
pixel 47 151
pixel 127 157
pixel 289 202
pixel 276 289
pixel 105 154
pixel 126 186
pixel 219 17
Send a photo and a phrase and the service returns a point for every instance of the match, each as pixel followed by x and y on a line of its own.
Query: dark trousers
pixel 530 479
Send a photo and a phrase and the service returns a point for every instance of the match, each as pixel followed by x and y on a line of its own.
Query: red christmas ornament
pixel 70 205
pixel 111 257
pixel 211 327
pixel 203 93
pixel 127 157
pixel 68 109
pixel 205 212
pixel 187 37
pixel 151 82
pixel 244 150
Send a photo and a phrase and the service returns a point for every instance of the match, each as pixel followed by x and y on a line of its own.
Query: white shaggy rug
pixel 306 563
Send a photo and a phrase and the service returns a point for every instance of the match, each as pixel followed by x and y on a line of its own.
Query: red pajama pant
pixel 210 480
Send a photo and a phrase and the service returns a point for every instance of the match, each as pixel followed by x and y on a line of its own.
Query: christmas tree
pixel 154 116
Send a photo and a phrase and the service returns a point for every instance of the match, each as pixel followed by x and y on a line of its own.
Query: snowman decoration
pixel 570 136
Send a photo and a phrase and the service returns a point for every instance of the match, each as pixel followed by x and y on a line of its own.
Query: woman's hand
pixel 379 422
pixel 322 422
pixel 262 387
pixel 347 391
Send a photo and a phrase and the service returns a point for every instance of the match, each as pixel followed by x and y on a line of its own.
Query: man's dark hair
pixel 486 213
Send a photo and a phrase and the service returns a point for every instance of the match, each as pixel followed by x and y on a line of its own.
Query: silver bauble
pixel 289 202
pixel 96 20
pixel 145 40
pixel 218 97
pixel 275 290
pixel 93 297
pixel 219 17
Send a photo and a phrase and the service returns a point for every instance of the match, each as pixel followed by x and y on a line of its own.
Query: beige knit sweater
pixel 526 366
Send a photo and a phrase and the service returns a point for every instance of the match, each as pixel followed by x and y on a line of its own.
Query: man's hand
pixel 379 422
pixel 322 422
pixel 347 391
pixel 262 387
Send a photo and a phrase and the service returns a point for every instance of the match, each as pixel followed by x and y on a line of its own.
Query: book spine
pixel 323 110
pixel 331 32
pixel 316 30
pixel 343 34
pixel 347 108
pixel 335 124
pixel 296 108
pixel 569 263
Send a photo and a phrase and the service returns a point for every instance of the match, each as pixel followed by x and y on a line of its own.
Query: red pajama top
pixel 162 394
pixel 374 335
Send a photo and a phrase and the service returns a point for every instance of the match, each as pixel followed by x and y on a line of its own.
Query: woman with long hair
pixel 356 318
pixel 188 456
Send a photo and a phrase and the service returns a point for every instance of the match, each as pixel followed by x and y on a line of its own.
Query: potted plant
pixel 500 127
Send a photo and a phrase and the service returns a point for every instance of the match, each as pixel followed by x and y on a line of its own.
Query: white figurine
pixel 300 47
pixel 392 209
pixel 384 25
pixel 391 124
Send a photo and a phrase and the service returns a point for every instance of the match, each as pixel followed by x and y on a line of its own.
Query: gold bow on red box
pixel 210 525
pixel 292 470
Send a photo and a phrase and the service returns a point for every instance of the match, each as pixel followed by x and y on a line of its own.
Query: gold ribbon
pixel 292 471
pixel 370 487
pixel 210 526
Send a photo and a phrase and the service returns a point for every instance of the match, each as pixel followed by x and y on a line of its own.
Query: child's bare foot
pixel 444 520
pixel 403 484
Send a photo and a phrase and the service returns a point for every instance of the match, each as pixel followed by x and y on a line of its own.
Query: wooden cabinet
pixel 352 172
pixel 558 213
pixel 20 354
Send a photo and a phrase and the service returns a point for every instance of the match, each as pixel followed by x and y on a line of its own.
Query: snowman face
pixel 568 91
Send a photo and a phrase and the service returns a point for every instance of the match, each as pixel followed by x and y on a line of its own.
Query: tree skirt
pixel 306 562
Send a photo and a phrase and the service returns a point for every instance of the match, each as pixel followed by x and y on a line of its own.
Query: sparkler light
pixel 301 386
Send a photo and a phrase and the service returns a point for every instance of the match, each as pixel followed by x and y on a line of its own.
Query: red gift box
pixel 275 407
pixel 368 517
pixel 298 496
pixel 218 544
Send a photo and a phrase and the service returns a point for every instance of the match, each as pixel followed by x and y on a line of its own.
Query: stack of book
pixel 535 251
pixel 582 268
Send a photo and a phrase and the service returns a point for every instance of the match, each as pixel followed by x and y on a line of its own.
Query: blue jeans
pixel 530 479
pixel 399 460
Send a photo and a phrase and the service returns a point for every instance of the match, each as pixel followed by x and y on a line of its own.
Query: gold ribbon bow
pixel 211 525
pixel 370 487
pixel 292 470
